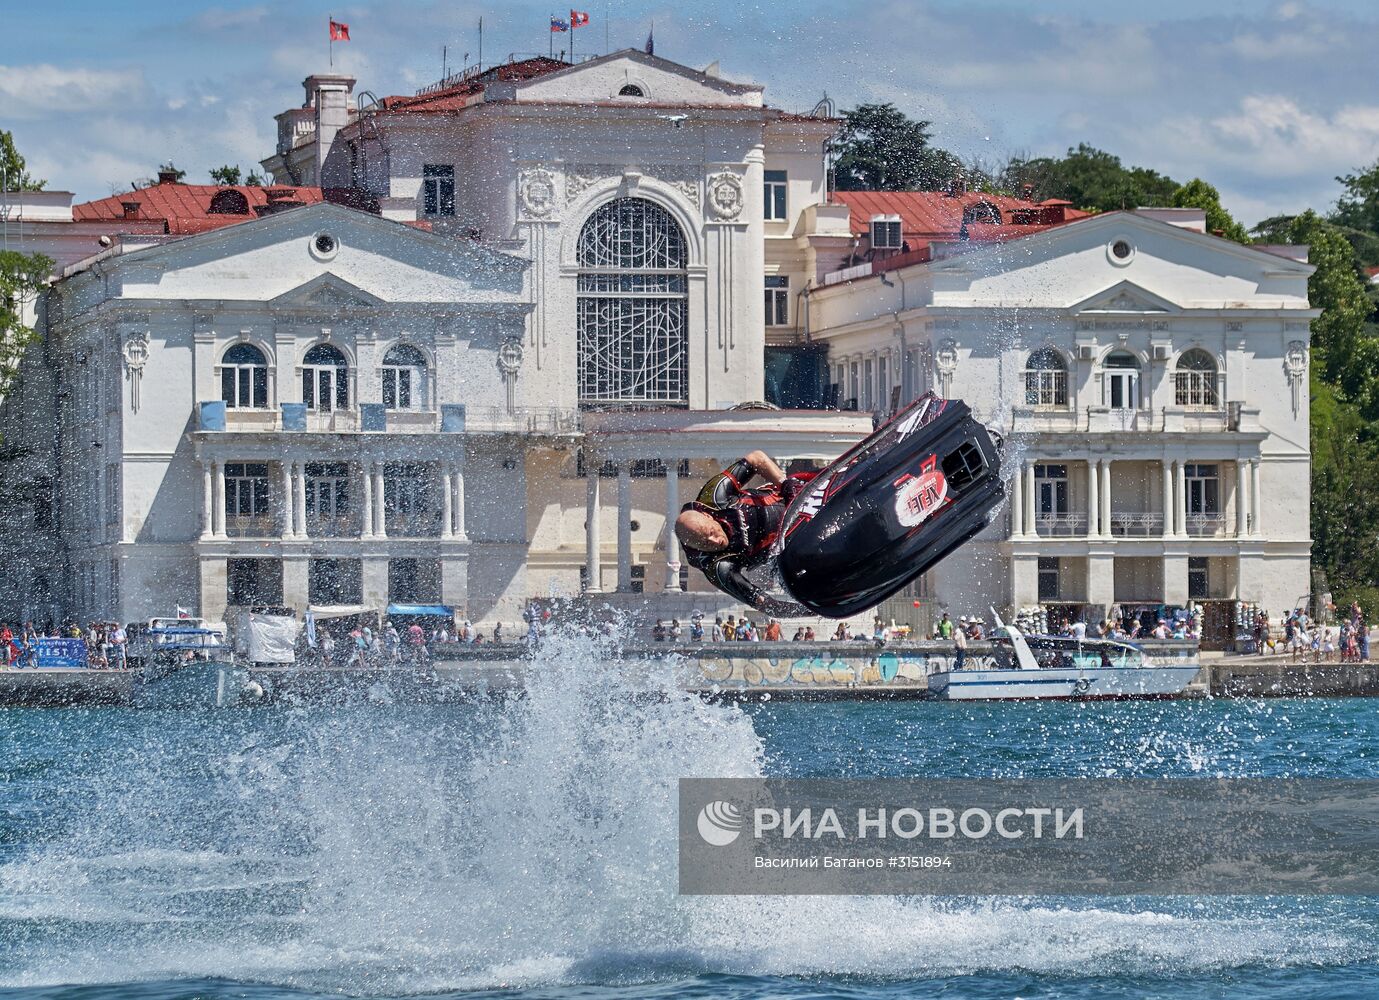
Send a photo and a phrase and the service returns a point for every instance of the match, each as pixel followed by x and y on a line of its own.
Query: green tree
pixel 1197 193
pixel 225 176
pixel 1090 178
pixel 254 178
pixel 1337 289
pixel 880 148
pixel 1358 208
pixel 15 176
pixel 22 277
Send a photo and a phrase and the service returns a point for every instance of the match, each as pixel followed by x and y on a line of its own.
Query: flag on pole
pixel 339 32
pixel 558 25
pixel 578 19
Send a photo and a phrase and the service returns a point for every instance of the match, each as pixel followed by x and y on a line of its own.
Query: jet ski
pixel 891 507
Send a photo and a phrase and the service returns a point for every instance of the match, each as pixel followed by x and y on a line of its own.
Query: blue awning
pixel 421 609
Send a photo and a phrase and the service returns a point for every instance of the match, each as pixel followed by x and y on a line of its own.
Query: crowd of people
pixel 1306 640
pixel 104 644
pixel 411 645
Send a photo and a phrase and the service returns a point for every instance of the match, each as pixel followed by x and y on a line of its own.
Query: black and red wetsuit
pixel 751 518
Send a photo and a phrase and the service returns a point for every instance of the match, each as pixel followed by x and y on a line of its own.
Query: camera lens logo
pixel 720 823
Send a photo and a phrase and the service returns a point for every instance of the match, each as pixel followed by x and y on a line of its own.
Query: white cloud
pixel 42 90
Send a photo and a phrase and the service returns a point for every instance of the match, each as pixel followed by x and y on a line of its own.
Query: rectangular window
pixel 414 581
pixel 328 490
pixel 335 581
pixel 774 202
pixel 1203 495
pixel 1122 390
pixel 1195 390
pixel 885 232
pixel 1044 388
pixel 1198 587
pixel 1048 578
pixel 246 489
pixel 438 189
pixel 253 582
pixel 1051 490
pixel 777 300
pixel 854 384
pixel 883 381
pixel 244 386
pixel 411 499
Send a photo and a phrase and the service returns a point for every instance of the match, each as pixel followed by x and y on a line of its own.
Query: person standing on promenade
pixel 959 648
pixel 772 631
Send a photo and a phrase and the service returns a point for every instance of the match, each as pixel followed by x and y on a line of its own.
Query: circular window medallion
pixel 324 246
pixel 1120 251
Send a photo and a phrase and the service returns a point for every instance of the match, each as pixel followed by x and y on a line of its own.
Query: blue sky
pixel 1269 101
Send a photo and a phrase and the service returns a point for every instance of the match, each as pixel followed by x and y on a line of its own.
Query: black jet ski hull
pixel 889 509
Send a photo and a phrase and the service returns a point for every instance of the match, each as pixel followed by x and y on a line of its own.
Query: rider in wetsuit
pixel 729 528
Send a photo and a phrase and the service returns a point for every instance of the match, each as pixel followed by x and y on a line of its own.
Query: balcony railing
pixel 338 526
pixel 1196 390
pixel 1060 525
pixel 423 524
pixel 252 526
pixel 1206 525
pixel 1137 524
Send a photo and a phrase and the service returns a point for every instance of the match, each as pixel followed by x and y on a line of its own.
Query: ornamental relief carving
pixel 725 196
pixel 579 177
pixel 536 192
pixel 135 357
pixel 1295 367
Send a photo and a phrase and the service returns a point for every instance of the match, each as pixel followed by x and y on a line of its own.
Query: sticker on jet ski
pixel 920 497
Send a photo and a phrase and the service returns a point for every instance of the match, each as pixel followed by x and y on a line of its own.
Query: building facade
pixel 1151 383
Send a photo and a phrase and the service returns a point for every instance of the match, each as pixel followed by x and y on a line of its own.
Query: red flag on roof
pixel 578 19
pixel 339 32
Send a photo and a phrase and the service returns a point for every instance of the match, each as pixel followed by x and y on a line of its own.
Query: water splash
pixel 383 850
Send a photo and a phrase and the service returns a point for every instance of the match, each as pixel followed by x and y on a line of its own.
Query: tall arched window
pixel 244 377
pixel 632 329
pixel 404 378
pixel 1194 383
pixel 1122 380
pixel 325 379
pixel 1046 379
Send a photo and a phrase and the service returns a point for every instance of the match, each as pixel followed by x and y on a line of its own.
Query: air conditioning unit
pixel 1162 351
pixel 1233 414
pixel 1086 352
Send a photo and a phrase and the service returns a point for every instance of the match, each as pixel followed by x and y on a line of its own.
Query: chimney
pixel 1027 191
pixel 167 177
pixel 329 95
pixel 131 209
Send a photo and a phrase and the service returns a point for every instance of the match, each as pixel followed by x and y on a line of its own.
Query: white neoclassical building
pixel 1151 381
pixel 552 284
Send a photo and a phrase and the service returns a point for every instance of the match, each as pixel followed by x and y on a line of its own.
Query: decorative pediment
pixel 327 291
pixel 1124 297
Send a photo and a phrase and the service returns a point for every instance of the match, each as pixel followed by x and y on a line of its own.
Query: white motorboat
pixel 1063 667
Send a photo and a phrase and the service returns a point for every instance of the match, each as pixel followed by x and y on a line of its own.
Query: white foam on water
pixel 540 848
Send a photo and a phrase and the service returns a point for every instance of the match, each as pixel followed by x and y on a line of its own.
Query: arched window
pixel 631 90
pixel 631 320
pixel 1122 380
pixel 325 379
pixel 244 377
pixel 1195 381
pixel 1046 379
pixel 404 378
pixel 982 213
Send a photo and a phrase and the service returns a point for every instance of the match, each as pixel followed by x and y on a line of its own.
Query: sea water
pixel 528 848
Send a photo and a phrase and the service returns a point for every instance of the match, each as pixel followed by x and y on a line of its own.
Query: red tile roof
pixel 184 209
pixel 936 215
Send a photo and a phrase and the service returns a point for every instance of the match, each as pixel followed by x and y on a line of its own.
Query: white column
pixel 380 515
pixel 287 502
pixel 207 500
pixel 299 473
pixel 591 526
pixel 672 512
pixel 1030 506
pixel 1093 504
pixel 366 493
pixel 1017 504
pixel 447 502
pixel 624 527
pixel 1241 509
pixel 1180 498
pixel 457 502
pixel 1168 497
pixel 218 499
pixel 1255 528
pixel 1105 467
